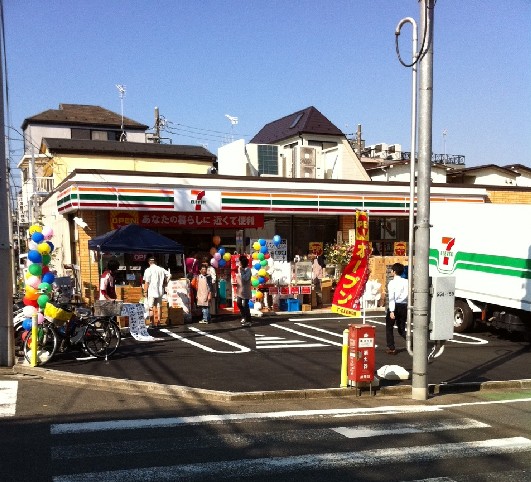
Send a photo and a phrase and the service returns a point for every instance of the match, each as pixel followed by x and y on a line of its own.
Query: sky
pixel 262 60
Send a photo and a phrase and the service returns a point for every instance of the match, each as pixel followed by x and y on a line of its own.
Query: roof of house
pixel 85 115
pixel 306 121
pixel 470 170
pixel 128 149
pixel 518 168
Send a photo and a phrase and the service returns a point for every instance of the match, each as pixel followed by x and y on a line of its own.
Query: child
pixel 204 292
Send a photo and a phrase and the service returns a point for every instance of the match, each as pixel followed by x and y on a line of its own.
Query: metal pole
pixel 422 238
pixel 7 352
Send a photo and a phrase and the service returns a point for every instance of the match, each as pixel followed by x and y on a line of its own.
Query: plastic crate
pixel 108 308
pixel 293 304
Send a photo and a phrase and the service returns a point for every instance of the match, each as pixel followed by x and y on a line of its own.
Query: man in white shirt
pixel 397 292
pixel 154 278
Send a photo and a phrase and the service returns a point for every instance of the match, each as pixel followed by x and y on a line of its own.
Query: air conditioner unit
pixel 306 162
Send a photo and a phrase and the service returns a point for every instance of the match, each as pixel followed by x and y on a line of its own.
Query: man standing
pixel 397 291
pixel 244 291
pixel 154 278
pixel 107 281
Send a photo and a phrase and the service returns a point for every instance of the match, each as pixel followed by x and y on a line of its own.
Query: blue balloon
pixel 222 263
pixel 221 251
pixel 52 247
pixel 261 280
pixel 262 242
pixel 251 304
pixel 263 249
pixel 34 256
pixel 257 266
pixel 37 237
pixel 48 278
pixel 26 324
pixel 276 239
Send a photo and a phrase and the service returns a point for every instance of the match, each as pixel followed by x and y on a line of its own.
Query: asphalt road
pixel 288 352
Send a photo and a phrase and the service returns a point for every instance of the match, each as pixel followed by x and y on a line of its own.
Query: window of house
pixel 99 135
pixel 268 159
pixel 82 134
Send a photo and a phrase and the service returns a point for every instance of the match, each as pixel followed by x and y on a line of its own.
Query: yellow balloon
pixel 259 295
pixel 35 228
pixel 43 248
pixel 254 255
pixel 262 272
pixel 226 256
pixel 32 293
pixel 27 275
pixel 256 246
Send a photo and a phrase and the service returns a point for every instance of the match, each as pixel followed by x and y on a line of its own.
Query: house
pixel 487 175
pixel 301 145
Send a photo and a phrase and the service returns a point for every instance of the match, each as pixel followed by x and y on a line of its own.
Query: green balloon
pixel 46 258
pixel 45 286
pixel 263 262
pixel 35 269
pixel 42 300
pixel 255 282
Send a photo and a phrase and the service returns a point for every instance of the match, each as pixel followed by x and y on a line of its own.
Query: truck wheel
pixel 463 317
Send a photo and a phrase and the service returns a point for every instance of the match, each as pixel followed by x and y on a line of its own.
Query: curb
pixel 133 386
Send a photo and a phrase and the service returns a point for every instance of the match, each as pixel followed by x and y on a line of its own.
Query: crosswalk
pixel 278 445
pixel 8 397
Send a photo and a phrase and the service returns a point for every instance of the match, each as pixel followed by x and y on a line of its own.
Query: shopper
pixel 108 279
pixel 154 278
pixel 397 292
pixel 243 293
pixel 204 293
pixel 318 267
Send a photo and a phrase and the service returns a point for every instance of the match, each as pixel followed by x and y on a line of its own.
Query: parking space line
pixel 300 333
pixel 241 348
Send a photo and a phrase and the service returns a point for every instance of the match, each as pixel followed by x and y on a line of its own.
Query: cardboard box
pixel 123 321
pixel 306 307
pixel 175 316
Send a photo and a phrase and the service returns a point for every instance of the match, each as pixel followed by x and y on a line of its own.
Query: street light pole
pixel 422 238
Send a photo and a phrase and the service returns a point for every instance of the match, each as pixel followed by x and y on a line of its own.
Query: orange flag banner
pixel 351 285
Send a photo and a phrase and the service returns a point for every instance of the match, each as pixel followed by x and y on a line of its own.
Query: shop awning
pixel 134 239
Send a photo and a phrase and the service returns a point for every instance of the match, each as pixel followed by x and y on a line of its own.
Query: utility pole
pixel 7 352
pixel 156 137
pixel 422 238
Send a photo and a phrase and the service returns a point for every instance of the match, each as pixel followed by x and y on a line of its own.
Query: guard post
pixel 361 356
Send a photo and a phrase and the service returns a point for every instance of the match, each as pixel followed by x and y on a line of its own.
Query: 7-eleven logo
pixel 198 201
pixel 446 255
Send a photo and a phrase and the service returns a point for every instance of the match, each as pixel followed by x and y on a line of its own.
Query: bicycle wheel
pixel 102 337
pixel 47 342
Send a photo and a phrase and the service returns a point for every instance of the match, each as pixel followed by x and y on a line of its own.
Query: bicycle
pixel 99 336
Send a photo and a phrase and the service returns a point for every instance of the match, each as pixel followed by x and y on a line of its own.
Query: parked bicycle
pixel 68 324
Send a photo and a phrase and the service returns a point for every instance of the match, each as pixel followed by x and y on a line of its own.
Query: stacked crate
pixel 380 267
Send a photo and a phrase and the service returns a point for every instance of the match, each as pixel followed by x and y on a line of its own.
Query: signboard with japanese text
pixel 351 284
pixel 196 220
pixel 315 247
pixel 400 248
pixel 361 359
pixel 278 253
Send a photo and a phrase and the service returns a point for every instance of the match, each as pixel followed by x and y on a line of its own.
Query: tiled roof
pixel 138 149
pixel 85 115
pixel 518 167
pixel 485 167
pixel 306 121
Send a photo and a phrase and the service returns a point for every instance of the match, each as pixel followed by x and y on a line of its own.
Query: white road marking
pixel 412 427
pixel 82 427
pixel 318 462
pixel 306 335
pixel 8 398
pixel 267 342
pixel 241 348
pixel 333 333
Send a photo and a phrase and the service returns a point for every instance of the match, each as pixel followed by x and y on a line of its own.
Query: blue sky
pixel 262 60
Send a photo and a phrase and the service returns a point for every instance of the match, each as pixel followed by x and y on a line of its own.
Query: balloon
pixel 261 256
pixel 32 244
pixel 263 249
pixel 217 256
pixel 267 256
pixel 255 282
pixel 222 263
pixel 257 305
pixel 261 280
pixel 44 248
pixel 251 304
pixel 212 251
pixel 45 286
pixel 33 281
pixel 257 266
pixel 263 263
pixel 254 255
pixel 29 302
pixel 259 295
pixel 35 269
pixel 40 318
pixel 52 247
pixel 46 258
pixel 262 242
pixel 45 270
pixel 214 262
pixel 48 277
pixel 37 237
pixel 31 293
pixel 256 245
pixel 26 324
pixel 34 256
pixel 226 256
pixel 35 228
pixel 262 272
pixel 216 240
pixel 47 232
pixel 42 300
pixel 29 311
pixel 221 251
pixel 276 240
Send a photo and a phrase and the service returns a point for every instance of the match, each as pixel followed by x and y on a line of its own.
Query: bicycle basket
pixel 107 308
pixel 57 315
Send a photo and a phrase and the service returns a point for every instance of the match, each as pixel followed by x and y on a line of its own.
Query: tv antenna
pixel 233 121
pixel 121 90
pixel 444 134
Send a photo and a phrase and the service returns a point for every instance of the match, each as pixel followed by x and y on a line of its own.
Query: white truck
pixel 487 247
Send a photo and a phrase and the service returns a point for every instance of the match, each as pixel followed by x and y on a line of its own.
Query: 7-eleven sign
pixel 446 255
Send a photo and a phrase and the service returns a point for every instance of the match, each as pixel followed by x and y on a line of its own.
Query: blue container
pixel 283 304
pixel 293 304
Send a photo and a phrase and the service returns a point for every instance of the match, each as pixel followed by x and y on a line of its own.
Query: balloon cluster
pixel 262 262
pixel 39 278
pixel 220 258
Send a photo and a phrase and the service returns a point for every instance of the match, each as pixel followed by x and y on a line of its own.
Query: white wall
pixel 232 160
